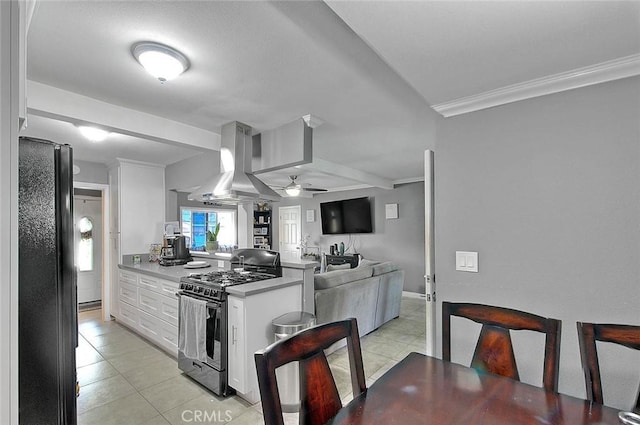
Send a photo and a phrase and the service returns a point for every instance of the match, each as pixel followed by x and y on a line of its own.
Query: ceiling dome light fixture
pixel 159 60
pixel 292 189
pixel 93 133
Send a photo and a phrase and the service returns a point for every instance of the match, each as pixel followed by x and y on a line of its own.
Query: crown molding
pixel 312 120
pixel 616 69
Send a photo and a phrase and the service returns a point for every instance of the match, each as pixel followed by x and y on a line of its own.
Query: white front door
pixel 87 217
pixel 290 232
pixel 429 251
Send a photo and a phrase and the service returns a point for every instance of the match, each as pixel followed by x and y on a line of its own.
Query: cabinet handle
pixel 233 335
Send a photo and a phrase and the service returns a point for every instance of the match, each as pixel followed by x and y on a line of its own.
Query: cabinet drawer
pixel 169 310
pixel 127 276
pixel 128 292
pixel 169 335
pixel 149 326
pixel 149 282
pixel 168 288
pixel 160 306
pixel 158 331
pixel 128 314
pixel 149 301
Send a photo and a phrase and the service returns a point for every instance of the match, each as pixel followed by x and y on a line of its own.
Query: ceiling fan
pixel 294 188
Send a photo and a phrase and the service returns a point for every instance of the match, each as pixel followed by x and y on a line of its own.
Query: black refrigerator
pixel 47 308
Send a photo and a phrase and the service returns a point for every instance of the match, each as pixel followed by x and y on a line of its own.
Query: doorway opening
pixel 290 232
pixel 87 220
pixel 92 245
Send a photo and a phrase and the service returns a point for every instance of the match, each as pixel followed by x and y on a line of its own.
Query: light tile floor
pixel 126 380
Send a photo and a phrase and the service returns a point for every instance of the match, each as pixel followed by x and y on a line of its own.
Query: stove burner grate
pixel 228 278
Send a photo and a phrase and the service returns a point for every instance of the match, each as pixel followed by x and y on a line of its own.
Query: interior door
pixel 290 232
pixel 429 251
pixel 87 217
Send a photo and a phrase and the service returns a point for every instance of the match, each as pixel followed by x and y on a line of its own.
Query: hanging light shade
pixel 292 189
pixel 159 60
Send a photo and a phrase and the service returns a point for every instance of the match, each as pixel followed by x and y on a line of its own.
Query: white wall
pixel 186 174
pixel 8 216
pixel 546 190
pixel 400 240
pixel 91 172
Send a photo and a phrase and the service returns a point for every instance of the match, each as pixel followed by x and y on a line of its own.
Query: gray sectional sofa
pixel 371 292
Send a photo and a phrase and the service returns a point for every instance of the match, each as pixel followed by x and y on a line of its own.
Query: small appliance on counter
pixel 175 252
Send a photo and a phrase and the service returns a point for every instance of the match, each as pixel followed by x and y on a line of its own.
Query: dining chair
pixel 319 398
pixel 588 334
pixel 494 350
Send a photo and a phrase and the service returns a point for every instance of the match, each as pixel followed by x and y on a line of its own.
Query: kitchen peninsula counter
pixel 253 288
pixel 174 273
pixel 300 264
pixel 147 304
pixel 303 270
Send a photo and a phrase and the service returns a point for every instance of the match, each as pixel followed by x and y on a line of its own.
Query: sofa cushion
pixel 332 267
pixel 385 267
pixel 339 277
pixel 367 263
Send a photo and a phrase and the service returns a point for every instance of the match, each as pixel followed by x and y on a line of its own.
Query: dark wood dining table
pixel 426 390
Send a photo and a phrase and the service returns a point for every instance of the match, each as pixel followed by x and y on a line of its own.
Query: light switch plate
pixel 467 261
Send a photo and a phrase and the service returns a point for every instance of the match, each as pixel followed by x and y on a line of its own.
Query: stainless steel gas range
pixel 209 366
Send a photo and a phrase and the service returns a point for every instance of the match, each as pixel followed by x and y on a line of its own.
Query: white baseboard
pixel 412 294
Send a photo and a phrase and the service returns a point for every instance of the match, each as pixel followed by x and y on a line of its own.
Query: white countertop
pixel 299 264
pixel 253 288
pixel 174 273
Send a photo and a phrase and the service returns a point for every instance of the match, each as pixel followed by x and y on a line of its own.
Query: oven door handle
pixel 212 304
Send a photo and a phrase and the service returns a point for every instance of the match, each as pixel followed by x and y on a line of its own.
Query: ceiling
pixel 370 71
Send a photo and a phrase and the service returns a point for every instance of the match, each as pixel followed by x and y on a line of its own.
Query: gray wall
pixel 400 240
pixel 546 190
pixel 185 175
pixel 91 172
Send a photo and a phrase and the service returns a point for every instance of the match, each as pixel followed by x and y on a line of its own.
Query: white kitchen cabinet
pixel 129 293
pixel 237 367
pixel 137 198
pixel 250 330
pixel 128 314
pixel 127 276
pixel 159 305
pixel 148 305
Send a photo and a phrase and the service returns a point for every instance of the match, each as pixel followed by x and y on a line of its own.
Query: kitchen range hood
pixel 236 183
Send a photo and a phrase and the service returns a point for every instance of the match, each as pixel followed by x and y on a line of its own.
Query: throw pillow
pixel 367 263
pixel 332 267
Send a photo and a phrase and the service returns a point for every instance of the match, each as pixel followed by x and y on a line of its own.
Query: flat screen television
pixel 346 216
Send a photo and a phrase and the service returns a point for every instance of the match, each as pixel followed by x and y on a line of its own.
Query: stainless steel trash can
pixel 287 375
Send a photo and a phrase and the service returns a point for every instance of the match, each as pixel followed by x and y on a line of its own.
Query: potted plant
pixel 212 238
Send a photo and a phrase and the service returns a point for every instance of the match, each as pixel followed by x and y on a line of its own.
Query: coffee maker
pixel 175 251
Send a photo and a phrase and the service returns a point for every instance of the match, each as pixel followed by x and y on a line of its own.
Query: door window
pixel 85 247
